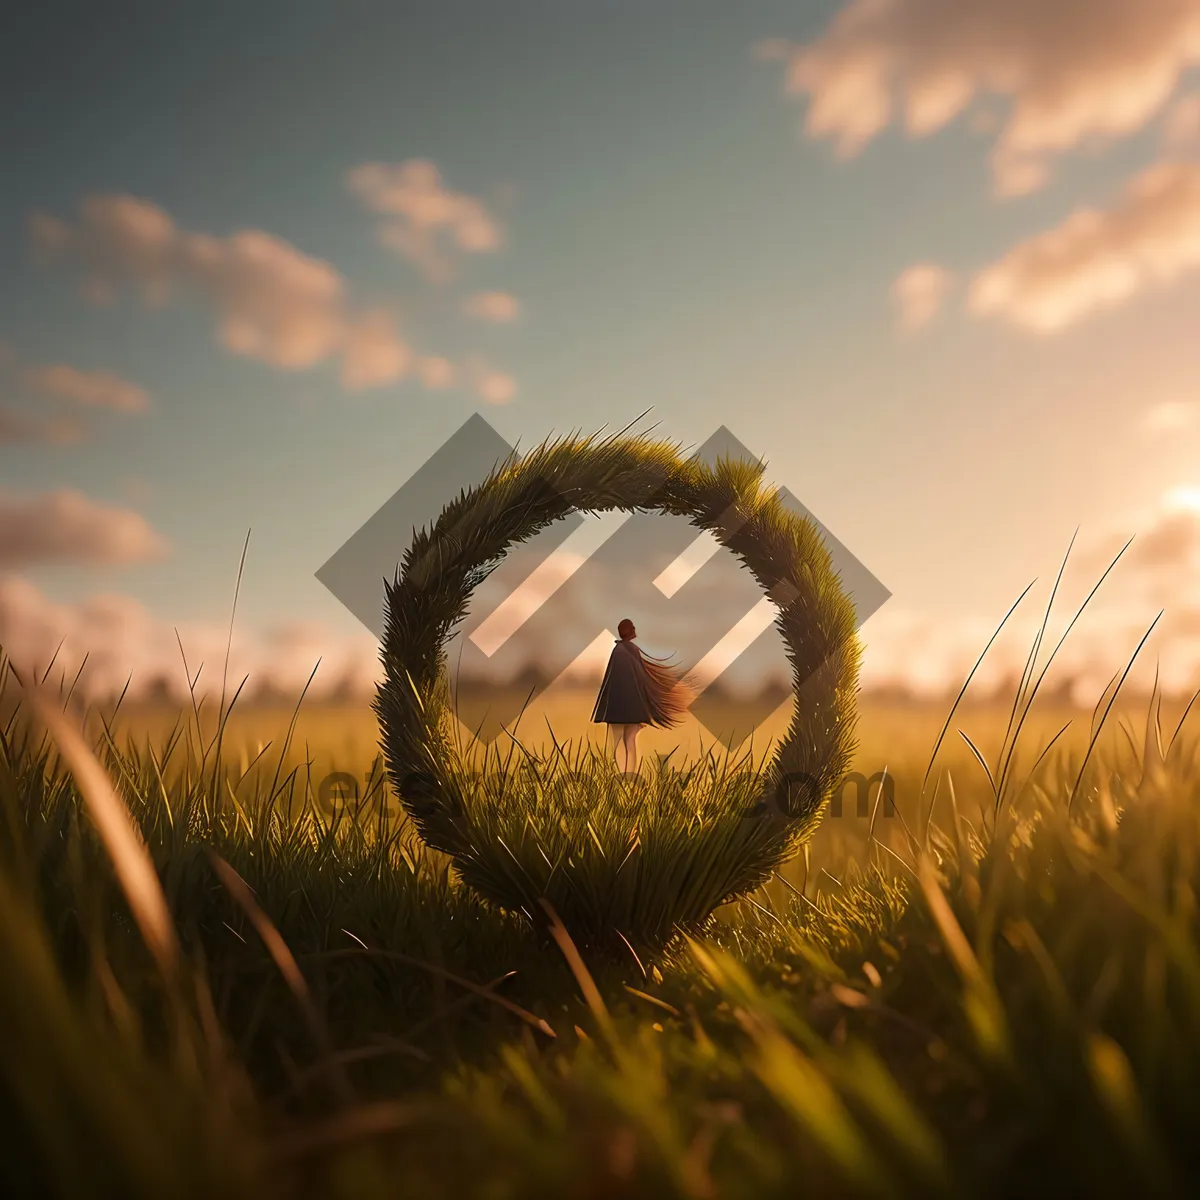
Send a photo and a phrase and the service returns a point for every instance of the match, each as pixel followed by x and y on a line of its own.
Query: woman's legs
pixel 629 737
pixel 618 740
pixel 625 736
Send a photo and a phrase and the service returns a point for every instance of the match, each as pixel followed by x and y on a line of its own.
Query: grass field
pixel 333 744
pixel 965 997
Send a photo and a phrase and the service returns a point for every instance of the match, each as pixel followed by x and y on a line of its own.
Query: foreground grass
pixel 990 997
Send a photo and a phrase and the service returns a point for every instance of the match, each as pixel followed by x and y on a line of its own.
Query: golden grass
pixel 891 733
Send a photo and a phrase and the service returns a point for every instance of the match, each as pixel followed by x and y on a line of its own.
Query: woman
pixel 639 690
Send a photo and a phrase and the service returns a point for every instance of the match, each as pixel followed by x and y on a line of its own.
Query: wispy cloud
pixel 122 641
pixel 19 428
pixel 91 389
pixel 1181 126
pixel 373 355
pixel 424 220
pixel 498 307
pixel 1071 71
pixel 273 302
pixel 437 373
pixel 920 653
pixel 932 654
pixel 490 384
pixel 918 294
pixel 66 527
pixel 1098 258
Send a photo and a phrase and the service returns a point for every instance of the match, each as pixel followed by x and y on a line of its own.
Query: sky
pixel 937 261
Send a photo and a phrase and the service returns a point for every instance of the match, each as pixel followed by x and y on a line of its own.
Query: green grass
pixel 980 996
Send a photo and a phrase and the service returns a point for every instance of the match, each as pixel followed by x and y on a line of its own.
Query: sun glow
pixel 1184 499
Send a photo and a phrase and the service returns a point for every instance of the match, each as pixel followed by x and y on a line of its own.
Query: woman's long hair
pixel 671 691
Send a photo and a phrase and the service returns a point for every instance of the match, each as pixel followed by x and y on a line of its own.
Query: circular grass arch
pixel 634 473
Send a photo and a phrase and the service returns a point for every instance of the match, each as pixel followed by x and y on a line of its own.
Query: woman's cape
pixel 664 692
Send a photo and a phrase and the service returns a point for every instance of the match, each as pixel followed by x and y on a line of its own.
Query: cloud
pixel 372 354
pixel 918 294
pixel 1162 564
pixel 1098 259
pixel 424 220
pixel 1172 416
pixel 1181 126
pixel 92 389
pixel 492 306
pixel 121 641
pixel 437 373
pixel 928 657
pixel 1172 544
pixel 1071 72
pixel 67 527
pixel 495 387
pixel 273 302
pixel 17 428
pixel 923 654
